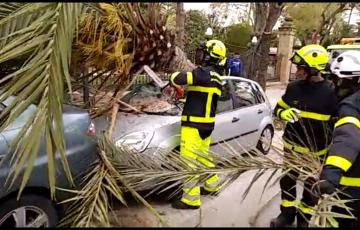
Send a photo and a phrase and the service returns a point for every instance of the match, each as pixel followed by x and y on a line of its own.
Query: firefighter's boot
pixel 285 219
pixel 178 204
pixel 302 220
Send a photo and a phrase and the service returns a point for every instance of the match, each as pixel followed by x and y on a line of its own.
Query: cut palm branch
pixel 166 170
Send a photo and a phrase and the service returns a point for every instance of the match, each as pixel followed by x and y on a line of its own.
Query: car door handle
pixel 235 119
pixel 260 111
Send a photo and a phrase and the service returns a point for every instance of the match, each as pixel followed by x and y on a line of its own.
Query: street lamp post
pixel 254 41
pixel 208 33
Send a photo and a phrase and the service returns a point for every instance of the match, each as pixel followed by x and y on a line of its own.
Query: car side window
pixel 225 101
pixel 244 94
pixel 258 94
pixel 2 108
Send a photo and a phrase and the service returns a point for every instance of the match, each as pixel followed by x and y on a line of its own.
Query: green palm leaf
pixel 44 32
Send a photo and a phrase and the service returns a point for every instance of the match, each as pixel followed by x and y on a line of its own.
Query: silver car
pixel 244 120
pixel 35 207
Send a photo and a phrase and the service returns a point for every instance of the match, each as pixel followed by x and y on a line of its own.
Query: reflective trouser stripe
pixel 212 184
pixel 348 120
pixel 191 196
pixel 194 149
pixel 301 149
pixel 288 203
pixel 305 208
pixel 338 162
pixel 350 181
pixel 298 204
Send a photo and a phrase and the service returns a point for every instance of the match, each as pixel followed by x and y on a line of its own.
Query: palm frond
pixel 90 206
pixel 166 170
pixel 41 80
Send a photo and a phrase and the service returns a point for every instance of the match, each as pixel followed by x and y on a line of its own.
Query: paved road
pixel 226 210
pixel 274 91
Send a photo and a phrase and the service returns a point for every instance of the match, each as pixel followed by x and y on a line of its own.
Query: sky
pixel 206 7
pixel 355 16
pixel 196 5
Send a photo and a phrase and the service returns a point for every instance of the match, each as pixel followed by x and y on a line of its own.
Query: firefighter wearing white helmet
pixel 204 88
pixel 307 106
pixel 342 165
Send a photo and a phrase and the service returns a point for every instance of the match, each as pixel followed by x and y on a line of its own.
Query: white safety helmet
pixel 346 65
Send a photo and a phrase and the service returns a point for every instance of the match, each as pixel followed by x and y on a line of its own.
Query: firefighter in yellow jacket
pixel 198 119
pixel 307 105
pixel 342 165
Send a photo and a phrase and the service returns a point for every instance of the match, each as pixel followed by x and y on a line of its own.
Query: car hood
pixel 127 123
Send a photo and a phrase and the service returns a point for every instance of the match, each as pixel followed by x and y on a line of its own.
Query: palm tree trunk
pixel 180 25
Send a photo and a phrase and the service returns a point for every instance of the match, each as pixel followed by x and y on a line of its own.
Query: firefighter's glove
pixel 292 115
pixel 179 93
pixel 323 187
pixel 329 180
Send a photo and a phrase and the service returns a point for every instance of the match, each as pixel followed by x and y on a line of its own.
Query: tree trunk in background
pixel 180 25
pixel 257 58
pixel 180 62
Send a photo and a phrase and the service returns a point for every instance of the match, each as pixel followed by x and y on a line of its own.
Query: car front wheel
pixel 30 211
pixel 265 140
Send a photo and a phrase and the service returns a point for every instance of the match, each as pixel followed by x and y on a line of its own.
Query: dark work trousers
pixel 352 193
pixel 288 194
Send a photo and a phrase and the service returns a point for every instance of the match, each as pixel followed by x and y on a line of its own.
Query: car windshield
pixel 333 54
pixel 148 98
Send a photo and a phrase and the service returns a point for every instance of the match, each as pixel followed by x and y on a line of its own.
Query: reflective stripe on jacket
pixel 203 91
pixel 317 103
pixel 345 149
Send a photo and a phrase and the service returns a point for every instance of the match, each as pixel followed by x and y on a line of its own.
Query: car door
pixel 222 121
pixel 239 124
pixel 250 108
pixel 232 123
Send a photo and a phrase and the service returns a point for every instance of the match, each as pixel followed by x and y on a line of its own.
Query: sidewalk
pixel 226 210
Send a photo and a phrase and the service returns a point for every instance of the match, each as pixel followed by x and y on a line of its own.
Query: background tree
pixel 299 11
pixel 256 59
pixel 326 20
pixel 169 11
pixel 237 37
pixel 217 17
pixel 196 23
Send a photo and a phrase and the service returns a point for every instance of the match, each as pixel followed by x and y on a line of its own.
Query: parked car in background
pixel 244 116
pixel 35 209
pixel 336 50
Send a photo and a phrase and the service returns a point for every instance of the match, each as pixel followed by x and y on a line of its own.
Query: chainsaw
pixel 174 95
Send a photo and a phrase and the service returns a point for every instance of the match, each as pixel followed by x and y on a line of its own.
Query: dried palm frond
pixel 165 170
pixel 323 215
pixel 90 206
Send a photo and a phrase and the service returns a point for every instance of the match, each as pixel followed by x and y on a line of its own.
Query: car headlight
pixel 137 140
